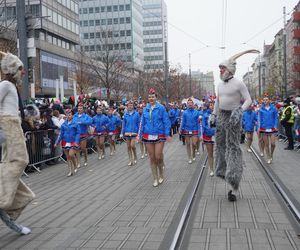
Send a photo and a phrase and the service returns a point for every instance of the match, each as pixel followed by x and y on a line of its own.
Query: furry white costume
pixel 14 194
pixel 227 117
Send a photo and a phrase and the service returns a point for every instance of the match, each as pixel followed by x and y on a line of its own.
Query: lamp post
pixel 284 54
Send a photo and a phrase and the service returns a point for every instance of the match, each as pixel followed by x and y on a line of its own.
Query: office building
pixel 52 40
pixel 155 34
pixel 114 28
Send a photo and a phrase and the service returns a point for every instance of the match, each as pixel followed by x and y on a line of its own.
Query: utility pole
pixel 284 54
pixel 190 74
pixel 22 36
pixel 166 74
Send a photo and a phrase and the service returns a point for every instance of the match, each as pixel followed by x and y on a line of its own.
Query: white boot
pixel 70 168
pixel 161 174
pixel 155 175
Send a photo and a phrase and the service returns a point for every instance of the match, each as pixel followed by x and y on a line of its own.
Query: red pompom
pixel 151 91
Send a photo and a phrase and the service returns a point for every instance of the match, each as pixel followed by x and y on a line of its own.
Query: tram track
pixel 177 235
pixel 287 199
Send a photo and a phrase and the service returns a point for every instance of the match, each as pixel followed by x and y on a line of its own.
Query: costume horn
pixel 230 64
pixel 236 56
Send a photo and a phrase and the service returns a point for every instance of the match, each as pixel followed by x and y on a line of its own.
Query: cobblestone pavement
pixel 106 205
pixel 255 221
pixel 286 164
pixel 109 205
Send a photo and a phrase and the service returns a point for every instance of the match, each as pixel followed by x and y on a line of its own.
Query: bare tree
pixel 83 75
pixel 109 62
pixel 8 32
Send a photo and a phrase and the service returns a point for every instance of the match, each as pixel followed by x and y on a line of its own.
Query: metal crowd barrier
pixel 40 147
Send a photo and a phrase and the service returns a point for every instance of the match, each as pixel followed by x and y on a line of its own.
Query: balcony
pixel 297 50
pixel 296 16
pixel 296 67
pixel 296 33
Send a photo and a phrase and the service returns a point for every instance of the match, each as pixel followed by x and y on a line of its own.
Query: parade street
pixel 109 205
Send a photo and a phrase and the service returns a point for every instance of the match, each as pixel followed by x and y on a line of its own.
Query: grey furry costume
pixel 228 159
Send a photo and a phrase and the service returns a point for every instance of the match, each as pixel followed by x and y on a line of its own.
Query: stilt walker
pixel 227 116
pixel 15 195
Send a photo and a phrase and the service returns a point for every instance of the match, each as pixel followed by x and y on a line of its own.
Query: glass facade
pixel 53 66
pixel 154 34
pixel 113 24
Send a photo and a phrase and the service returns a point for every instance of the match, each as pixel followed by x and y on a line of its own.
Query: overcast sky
pixel 195 26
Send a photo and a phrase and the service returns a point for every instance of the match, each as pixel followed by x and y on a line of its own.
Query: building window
pixel 91 22
pixel 35 9
pixel 97 9
pixel 84 11
pixel 49 39
pixel 116 20
pixel 42 36
pixel 58 42
pixel 97 34
pixel 127 6
pixel 103 21
pixel 98 47
pixel 91 10
pixel 59 19
pixel 128 32
pixel 115 8
pixel 85 23
pixel 97 22
pixel 128 46
pixel 85 35
pixel 92 48
pixel 123 45
pixel 103 34
pixel 109 21
pixel 86 48
pixel 122 32
pixel 122 20
pixel 127 19
pixel 103 9
pixel 109 9
pixel 92 35
pixel 54 18
pixel 11 12
pixel 54 41
pixel 116 46
pixel 121 7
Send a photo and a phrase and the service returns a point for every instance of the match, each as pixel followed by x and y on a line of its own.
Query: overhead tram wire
pixel 223 24
pixel 263 30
